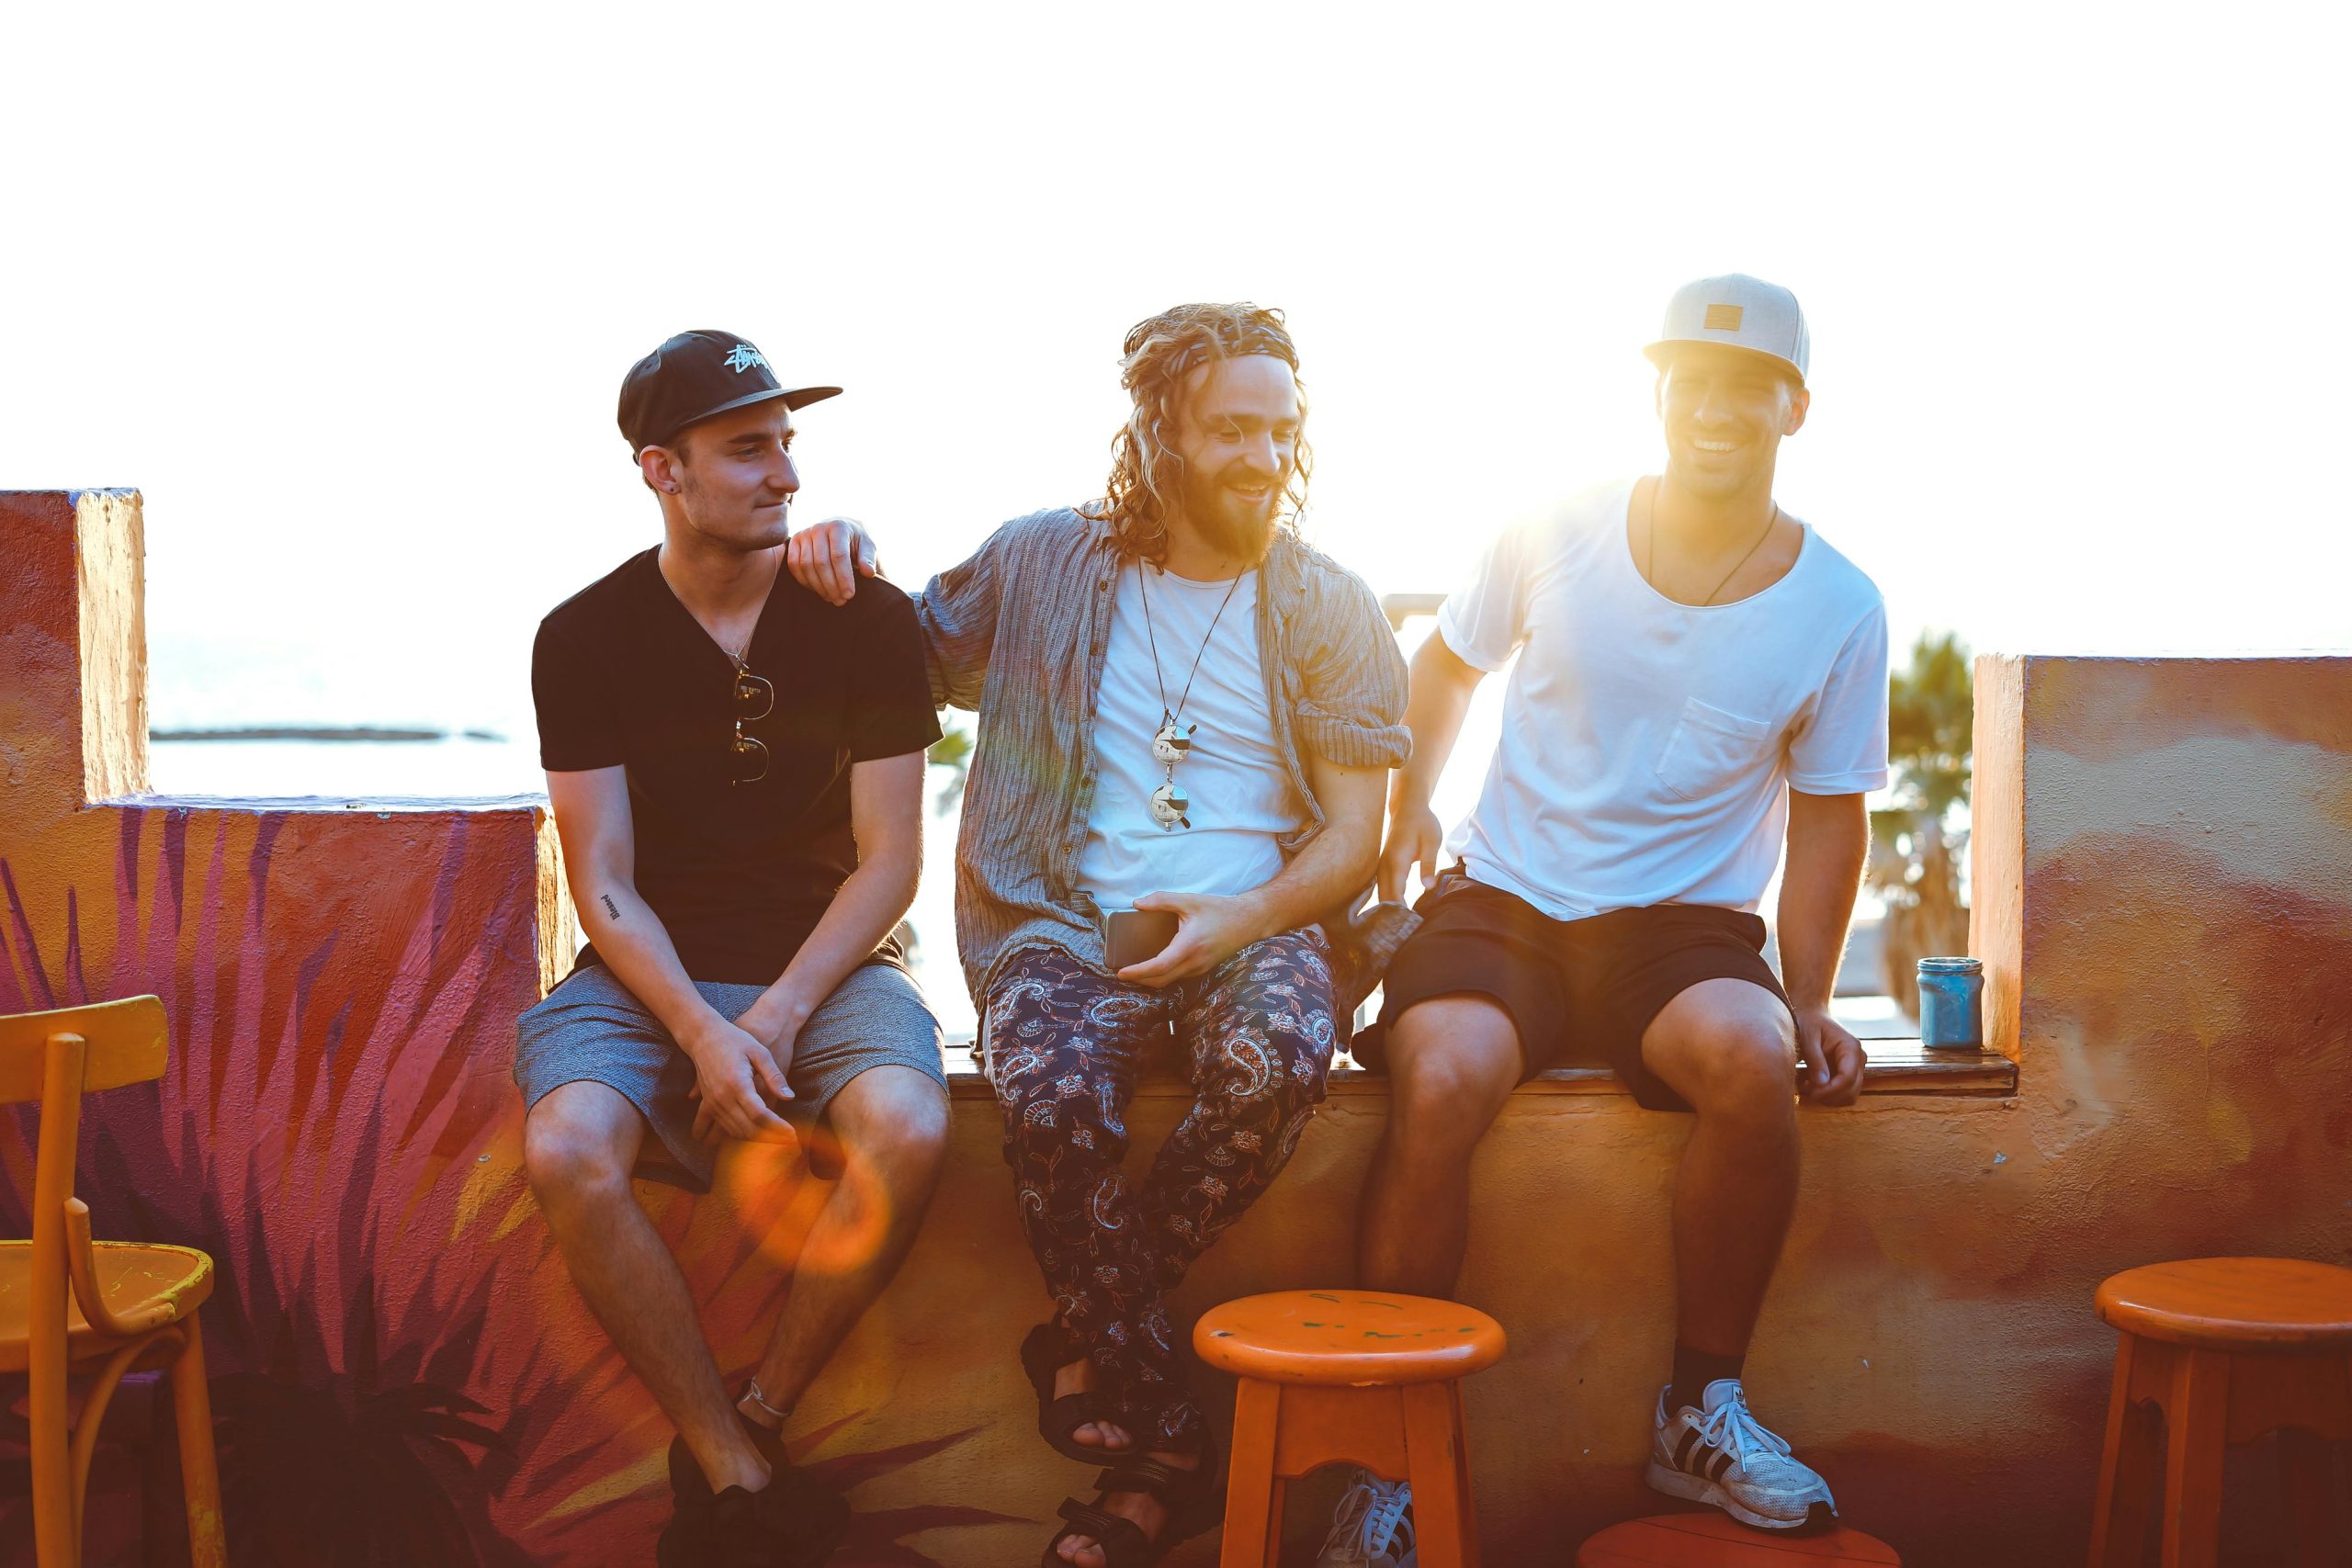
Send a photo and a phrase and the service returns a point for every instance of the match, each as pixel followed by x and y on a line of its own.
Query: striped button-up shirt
pixel 1018 633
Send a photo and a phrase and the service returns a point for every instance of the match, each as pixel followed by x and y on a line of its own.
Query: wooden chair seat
pixel 157 1282
pixel 2286 1305
pixel 1348 1339
pixel 1711 1540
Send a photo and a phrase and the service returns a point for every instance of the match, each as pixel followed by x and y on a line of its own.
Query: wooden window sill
pixel 1896 1066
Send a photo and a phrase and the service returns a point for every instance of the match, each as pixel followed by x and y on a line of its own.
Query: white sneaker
pixel 1369 1529
pixel 1723 1456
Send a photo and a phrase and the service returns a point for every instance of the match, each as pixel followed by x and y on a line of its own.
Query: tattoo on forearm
pixel 611 908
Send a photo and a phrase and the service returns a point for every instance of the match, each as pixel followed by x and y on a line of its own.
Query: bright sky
pixel 348 292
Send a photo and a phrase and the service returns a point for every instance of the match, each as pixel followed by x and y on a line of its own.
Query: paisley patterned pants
pixel 1063 1045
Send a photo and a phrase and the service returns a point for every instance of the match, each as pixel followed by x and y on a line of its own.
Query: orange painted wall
pixel 2164 894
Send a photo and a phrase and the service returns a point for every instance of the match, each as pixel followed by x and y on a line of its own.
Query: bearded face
pixel 1239 443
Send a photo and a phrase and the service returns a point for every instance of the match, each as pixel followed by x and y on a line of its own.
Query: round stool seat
pixel 1359 1339
pixel 2279 1304
pixel 1712 1541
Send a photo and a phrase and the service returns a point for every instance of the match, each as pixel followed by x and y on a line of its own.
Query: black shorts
pixel 1578 991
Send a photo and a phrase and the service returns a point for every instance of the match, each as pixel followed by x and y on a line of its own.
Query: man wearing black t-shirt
pixel 736 772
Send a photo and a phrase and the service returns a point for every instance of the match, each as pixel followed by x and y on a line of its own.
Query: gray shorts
pixel 591 1027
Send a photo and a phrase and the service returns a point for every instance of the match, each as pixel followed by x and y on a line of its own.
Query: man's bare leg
pixel 580 1144
pixel 1452 1062
pixel 1729 1048
pixel 892 1123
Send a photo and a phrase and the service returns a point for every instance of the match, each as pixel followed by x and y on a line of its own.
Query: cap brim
pixel 1659 352
pixel 794 397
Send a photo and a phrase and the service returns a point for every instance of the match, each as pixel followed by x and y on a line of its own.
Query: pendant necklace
pixel 1172 741
pixel 1649 540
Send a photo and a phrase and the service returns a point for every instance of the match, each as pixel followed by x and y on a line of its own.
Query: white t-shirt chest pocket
pixel 1710 749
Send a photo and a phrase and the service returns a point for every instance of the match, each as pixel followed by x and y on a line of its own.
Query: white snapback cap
pixel 1739 312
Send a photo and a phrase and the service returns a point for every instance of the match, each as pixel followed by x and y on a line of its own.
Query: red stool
pixel 2226 1348
pixel 1712 1541
pixel 1349 1377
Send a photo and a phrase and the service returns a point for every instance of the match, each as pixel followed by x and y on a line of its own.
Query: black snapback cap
pixel 695 375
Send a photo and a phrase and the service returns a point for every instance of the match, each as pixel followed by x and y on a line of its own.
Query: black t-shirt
pixel 624 675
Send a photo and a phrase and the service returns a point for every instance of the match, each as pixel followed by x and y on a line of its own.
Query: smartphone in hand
pixel 1132 936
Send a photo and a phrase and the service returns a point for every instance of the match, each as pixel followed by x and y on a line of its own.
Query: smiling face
pixel 1238 438
pixel 731 478
pixel 1725 410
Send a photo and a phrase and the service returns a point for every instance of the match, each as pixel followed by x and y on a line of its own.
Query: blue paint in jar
pixel 1951 1003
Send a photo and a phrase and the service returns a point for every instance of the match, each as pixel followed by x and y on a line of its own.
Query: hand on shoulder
pixel 828 557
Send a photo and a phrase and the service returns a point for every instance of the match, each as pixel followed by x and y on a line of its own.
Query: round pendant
pixel 1173 742
pixel 1168 805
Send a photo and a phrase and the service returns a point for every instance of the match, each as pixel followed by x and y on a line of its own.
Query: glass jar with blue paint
pixel 1951 1003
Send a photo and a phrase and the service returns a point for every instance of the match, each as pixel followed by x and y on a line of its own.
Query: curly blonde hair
pixel 1160 352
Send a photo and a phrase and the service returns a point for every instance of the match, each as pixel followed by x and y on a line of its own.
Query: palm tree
pixel 1914 866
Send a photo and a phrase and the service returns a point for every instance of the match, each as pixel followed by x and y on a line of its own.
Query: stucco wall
pixel 2164 884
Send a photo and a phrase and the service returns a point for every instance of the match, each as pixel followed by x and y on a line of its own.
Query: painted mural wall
pixel 403 1373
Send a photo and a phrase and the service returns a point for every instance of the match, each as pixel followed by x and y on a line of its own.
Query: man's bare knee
pixel 1750 1071
pixel 580 1147
pixel 894 1121
pixel 1451 1065
pixel 1727 1050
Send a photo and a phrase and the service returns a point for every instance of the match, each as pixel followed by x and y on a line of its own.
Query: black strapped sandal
pixel 1194 1500
pixel 1044 1354
pixel 819 1515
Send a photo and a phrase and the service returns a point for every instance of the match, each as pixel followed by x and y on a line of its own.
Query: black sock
pixel 1693 1370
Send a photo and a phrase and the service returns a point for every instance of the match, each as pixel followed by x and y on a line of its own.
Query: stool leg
pixel 1253 1518
pixel 2197 1420
pixel 2127 1469
pixel 2304 1479
pixel 1444 1530
pixel 200 1470
pixel 1461 1472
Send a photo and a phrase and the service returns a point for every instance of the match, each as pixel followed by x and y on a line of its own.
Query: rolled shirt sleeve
pixel 1840 746
pixel 1353 683
pixel 1485 620
pixel 957 613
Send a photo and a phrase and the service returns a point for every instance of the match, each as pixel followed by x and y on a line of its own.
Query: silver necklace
pixel 1172 741
pixel 1649 541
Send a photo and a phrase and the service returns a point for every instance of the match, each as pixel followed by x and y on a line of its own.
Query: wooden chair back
pixel 122 1043
pixel 56 1057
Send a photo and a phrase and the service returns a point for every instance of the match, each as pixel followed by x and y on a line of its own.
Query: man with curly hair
pixel 1190 716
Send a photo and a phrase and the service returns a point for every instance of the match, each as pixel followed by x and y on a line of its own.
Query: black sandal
pixel 1194 1500
pixel 1044 1354
pixel 821 1515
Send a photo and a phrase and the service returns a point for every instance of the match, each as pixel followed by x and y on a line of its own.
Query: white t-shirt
pixel 1647 747
pixel 1242 799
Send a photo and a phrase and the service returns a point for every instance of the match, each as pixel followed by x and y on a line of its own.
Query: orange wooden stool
pixel 1714 1540
pixel 2225 1348
pixel 1349 1377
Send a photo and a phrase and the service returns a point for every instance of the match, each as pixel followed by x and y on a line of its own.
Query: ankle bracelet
pixel 752 1391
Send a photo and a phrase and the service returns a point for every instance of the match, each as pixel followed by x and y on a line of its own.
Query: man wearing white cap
pixel 1699 674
